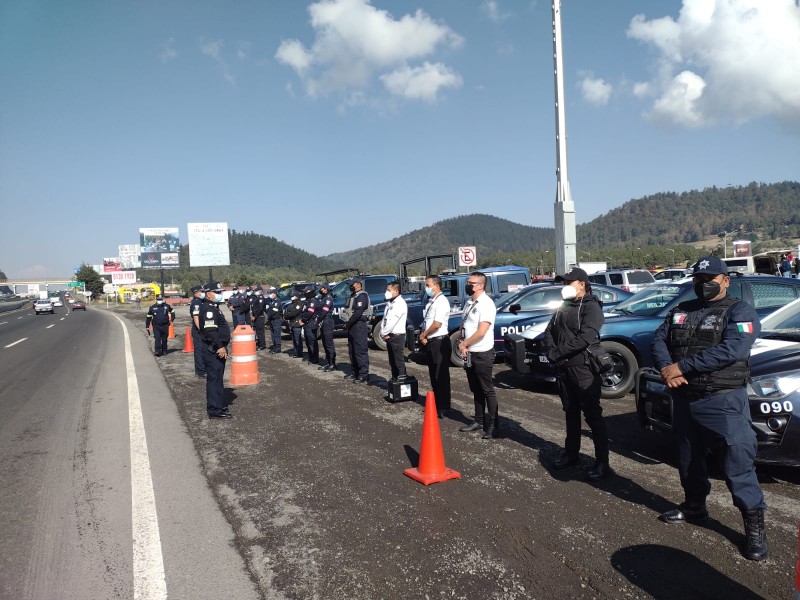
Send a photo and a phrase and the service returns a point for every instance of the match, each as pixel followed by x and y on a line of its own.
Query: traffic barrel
pixel 431 467
pixel 244 359
pixel 188 344
pixel 171 335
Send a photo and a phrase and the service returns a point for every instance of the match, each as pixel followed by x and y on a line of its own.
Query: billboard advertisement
pixel 129 256
pixel 160 247
pixel 208 245
pixel 123 277
pixel 111 265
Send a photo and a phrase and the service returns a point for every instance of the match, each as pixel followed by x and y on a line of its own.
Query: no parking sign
pixel 467 256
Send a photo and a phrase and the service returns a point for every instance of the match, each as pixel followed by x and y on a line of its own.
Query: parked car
pixel 78 305
pixel 44 306
pixel 774 390
pixel 516 310
pixel 629 327
pixel 672 274
pixel 630 280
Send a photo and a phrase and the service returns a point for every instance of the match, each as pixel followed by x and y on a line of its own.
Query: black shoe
pixel 329 368
pixel 200 375
pixel 600 470
pixel 297 356
pixel 361 379
pixel 564 461
pixel 755 546
pixel 349 376
pixel 440 414
pixel 685 513
pixel 474 426
pixel 491 434
pixel 275 351
pixel 225 415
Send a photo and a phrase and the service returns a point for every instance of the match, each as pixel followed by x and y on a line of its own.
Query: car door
pixel 768 296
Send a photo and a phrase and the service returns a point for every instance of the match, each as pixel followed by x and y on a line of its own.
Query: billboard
pixel 111 265
pixel 208 244
pixel 123 277
pixel 160 247
pixel 129 256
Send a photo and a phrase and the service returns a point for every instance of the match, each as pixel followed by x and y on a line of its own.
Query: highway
pixel 89 452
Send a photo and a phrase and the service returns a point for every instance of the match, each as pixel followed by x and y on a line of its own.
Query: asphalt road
pixel 77 520
pixel 310 475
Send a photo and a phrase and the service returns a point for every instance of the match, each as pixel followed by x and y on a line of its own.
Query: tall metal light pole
pixel 564 206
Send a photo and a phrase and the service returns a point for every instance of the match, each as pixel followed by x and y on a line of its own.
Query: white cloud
pixel 356 44
pixel 168 51
pixel 214 50
pixel 723 61
pixel 491 8
pixel 243 50
pixel 594 90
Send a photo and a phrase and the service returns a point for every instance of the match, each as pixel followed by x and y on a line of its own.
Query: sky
pixel 336 124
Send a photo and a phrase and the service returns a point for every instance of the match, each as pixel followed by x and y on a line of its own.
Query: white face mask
pixel 568 292
pixel 388 295
pixel 159 302
pixel 429 291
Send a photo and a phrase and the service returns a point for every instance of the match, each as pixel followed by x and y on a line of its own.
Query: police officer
pixel 160 315
pixel 275 319
pixel 308 321
pixel 257 316
pixel 216 336
pixel 291 312
pixel 248 294
pixel 393 329
pixel 325 320
pixel 238 305
pixel 702 352
pixel 358 332
pixel 194 312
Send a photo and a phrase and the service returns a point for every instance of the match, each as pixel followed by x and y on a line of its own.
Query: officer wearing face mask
pixel 436 340
pixel 275 319
pixel 308 321
pixel 572 329
pixel 257 316
pixel 160 315
pixel 216 336
pixel 702 351
pixel 358 332
pixel 194 313
pixel 393 329
pixel 326 326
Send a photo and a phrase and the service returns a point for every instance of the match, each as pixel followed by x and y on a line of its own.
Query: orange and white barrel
pixel 244 359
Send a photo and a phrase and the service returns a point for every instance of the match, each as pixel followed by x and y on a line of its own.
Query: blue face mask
pixel 202 295
pixel 428 291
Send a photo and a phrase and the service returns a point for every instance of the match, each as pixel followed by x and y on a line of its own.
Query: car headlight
pixel 774 386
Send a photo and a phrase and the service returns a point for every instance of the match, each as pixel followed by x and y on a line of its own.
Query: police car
pixel 628 328
pixel 774 390
pixel 516 310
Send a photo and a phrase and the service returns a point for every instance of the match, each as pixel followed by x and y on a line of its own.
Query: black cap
pixel 325 285
pixel 710 265
pixel 358 280
pixel 258 288
pixel 577 274
pixel 159 297
pixel 213 286
pixel 309 289
pixel 197 288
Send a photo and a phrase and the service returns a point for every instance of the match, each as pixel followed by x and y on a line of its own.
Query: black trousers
pixel 358 348
pixel 327 340
pixel 439 351
pixel 276 326
pixel 310 333
pixel 160 333
pixel 199 350
pixel 479 377
pixel 297 340
pixel 579 389
pixel 397 360
pixel 215 388
pixel 258 325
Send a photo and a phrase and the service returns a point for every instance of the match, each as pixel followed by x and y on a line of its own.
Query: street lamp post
pixel 672 264
pixel 724 235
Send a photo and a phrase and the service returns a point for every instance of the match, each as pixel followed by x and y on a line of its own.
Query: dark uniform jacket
pixel 257 306
pixel 310 311
pixel 194 309
pixel 213 326
pixel 325 308
pixel 273 309
pixel 291 312
pixel 575 326
pixel 358 303
pixel 159 314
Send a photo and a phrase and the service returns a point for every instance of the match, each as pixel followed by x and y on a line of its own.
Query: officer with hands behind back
pixel 325 320
pixel 216 337
pixel 436 340
pixel 160 315
pixel 308 321
pixel 702 352
pixel 275 319
pixel 291 313
pixel 257 316
pixel 358 332
pixel 197 340
pixel 393 329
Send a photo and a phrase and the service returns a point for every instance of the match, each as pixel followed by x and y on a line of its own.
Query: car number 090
pixel 776 407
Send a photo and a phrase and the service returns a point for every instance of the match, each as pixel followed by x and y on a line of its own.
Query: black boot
pixel 755 545
pixel 687 512
pixel 565 460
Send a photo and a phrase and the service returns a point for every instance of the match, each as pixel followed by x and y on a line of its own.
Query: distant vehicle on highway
pixel 56 301
pixel 78 305
pixel 44 306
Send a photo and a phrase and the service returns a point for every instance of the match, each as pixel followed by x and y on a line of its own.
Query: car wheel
pixel 455 359
pixel 379 342
pixel 621 379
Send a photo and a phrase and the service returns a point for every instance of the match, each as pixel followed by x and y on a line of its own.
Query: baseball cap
pixel 710 265
pixel 576 274
pixel 197 288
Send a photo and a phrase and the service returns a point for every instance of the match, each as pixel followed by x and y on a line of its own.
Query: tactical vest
pixel 687 339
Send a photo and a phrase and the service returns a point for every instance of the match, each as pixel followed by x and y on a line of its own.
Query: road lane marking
pixel 61 319
pixel 149 582
pixel 49 326
pixel 4 323
pixel 17 342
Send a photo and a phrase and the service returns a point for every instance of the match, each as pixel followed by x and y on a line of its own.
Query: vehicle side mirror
pixel 515 308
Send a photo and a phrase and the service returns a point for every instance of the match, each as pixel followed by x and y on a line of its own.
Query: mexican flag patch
pixel 744 327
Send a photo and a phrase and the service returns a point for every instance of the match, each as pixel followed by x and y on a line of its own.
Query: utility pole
pixel 564 206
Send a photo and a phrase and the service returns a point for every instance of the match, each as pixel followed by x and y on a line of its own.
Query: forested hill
pixel 490 234
pixel 767 212
pixel 248 248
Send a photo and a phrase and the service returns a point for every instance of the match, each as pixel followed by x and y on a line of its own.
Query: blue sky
pixel 340 123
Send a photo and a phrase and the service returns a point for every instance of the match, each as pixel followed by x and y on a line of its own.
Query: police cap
pixel 576 274
pixel 357 280
pixel 325 285
pixel 309 289
pixel 213 286
pixel 710 265
pixel 159 297
pixel 248 289
pixel 197 288
pixel 258 288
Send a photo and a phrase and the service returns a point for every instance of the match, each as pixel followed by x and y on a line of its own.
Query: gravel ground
pixel 310 474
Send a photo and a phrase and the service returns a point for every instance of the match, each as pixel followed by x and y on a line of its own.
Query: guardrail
pixel 7 305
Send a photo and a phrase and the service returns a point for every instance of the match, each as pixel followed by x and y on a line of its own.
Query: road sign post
pixel 467 256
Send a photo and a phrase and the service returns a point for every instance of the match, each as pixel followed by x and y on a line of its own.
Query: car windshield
pixel 783 323
pixel 654 300
pixel 514 297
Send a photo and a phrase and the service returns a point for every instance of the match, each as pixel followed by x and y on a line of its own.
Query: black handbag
pixel 599 359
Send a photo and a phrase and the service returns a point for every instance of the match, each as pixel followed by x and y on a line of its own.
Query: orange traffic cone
pixel 244 361
pixel 171 335
pixel 188 344
pixel 431 467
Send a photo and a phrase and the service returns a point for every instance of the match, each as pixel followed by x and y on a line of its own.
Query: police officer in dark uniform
pixel 274 314
pixel 216 336
pixel 308 320
pixel 257 316
pixel 702 351
pixel 238 305
pixel 160 315
pixel 325 319
pixel 246 297
pixel 358 332
pixel 291 312
pixel 197 340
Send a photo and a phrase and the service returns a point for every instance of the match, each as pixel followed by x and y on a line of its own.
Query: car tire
pixel 621 379
pixel 379 342
pixel 455 359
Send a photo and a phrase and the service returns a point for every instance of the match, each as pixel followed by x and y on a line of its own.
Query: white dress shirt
pixel 479 311
pixel 437 310
pixel 394 319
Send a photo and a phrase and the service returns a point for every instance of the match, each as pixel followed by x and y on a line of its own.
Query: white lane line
pixel 149 582
pixel 17 342
pixel 49 326
pixel 61 319
pixel 4 323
